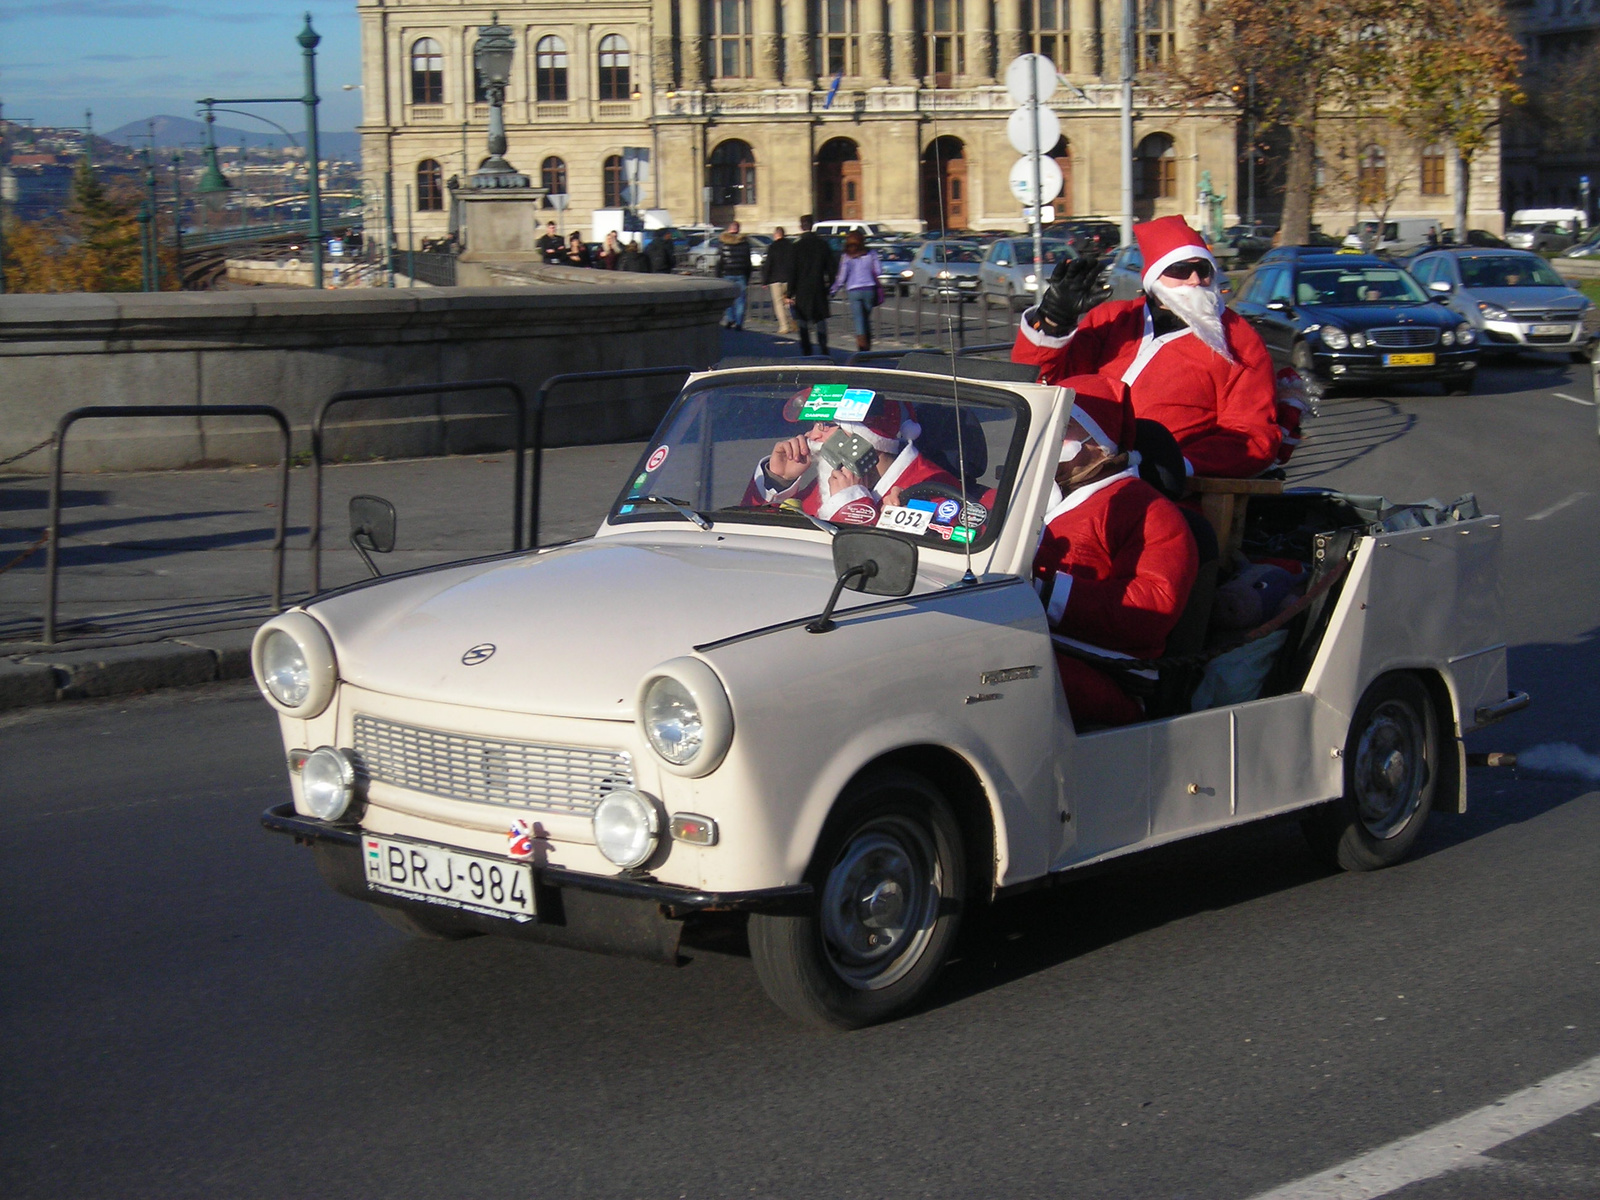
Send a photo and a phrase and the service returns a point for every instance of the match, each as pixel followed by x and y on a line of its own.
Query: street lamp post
pixel 492 54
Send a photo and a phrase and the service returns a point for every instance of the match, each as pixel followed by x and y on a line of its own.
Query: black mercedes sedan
pixel 1343 319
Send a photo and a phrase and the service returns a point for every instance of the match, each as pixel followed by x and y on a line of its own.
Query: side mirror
pixel 1278 305
pixel 1441 286
pixel 879 564
pixel 372 524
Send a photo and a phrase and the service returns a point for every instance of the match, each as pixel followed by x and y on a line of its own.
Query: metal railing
pixel 109 411
pixel 423 389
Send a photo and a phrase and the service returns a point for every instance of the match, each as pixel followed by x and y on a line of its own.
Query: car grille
pixel 1404 335
pixel 1539 317
pixel 559 779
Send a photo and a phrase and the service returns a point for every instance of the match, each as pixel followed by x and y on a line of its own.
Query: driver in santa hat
pixel 1116 559
pixel 839 494
pixel 1192 364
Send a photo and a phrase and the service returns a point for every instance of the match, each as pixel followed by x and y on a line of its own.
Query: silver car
pixel 1514 299
pixel 1007 277
pixel 1544 236
pixel 946 269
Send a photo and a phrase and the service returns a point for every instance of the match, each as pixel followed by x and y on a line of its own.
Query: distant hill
pixel 173 132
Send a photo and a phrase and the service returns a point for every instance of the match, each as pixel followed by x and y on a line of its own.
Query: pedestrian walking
pixel 659 251
pixel 610 252
pixel 858 280
pixel 733 264
pixel 814 268
pixel 577 253
pixel 778 271
pixel 633 259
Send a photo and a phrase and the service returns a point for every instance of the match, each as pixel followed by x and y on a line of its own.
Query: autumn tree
pixel 93 247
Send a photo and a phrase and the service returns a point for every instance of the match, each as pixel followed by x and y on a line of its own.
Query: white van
pixel 1572 220
pixel 1408 231
pixel 871 229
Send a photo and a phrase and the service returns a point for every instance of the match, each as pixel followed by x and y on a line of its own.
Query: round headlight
pixel 328 783
pixel 672 721
pixel 1465 334
pixel 626 828
pixel 684 712
pixel 292 657
pixel 1447 338
pixel 1334 338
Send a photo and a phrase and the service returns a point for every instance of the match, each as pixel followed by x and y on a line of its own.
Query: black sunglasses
pixel 1194 266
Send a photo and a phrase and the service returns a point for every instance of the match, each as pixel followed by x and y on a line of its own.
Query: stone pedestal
pixel 499 227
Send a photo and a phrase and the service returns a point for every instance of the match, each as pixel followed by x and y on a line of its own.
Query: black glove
pixel 1067 297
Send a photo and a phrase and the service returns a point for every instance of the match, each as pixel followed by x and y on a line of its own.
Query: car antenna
pixel 955 388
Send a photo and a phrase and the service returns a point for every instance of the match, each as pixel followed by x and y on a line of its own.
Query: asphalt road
pixel 187 1011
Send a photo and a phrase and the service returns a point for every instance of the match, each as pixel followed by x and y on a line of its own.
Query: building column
pixel 768 51
pixel 1082 61
pixel 1009 41
pixel 797 71
pixel 903 41
pixel 692 46
pixel 980 41
pixel 874 43
pixel 662 76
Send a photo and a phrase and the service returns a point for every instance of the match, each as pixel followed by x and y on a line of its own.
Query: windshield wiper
pixel 677 506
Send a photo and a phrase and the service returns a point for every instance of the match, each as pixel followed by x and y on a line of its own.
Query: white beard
pixel 1200 308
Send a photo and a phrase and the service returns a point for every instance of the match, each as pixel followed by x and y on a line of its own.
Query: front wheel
pixel 1300 359
pixel 1391 768
pixel 889 880
pixel 1459 386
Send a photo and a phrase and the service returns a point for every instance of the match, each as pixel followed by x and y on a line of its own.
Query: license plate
pixel 1408 360
pixel 1551 331
pixel 449 877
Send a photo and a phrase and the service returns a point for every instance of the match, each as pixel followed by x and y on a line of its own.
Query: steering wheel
pixel 932 489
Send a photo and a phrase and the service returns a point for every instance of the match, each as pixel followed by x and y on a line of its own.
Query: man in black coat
pixel 779 273
pixel 551 247
pixel 659 252
pixel 814 268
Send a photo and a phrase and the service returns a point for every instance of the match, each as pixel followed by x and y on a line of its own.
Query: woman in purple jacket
pixel 858 280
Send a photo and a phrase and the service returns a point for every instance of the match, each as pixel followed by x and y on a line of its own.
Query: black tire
pixel 1300 359
pixel 1391 768
pixel 420 927
pixel 1578 356
pixel 1458 387
pixel 892 844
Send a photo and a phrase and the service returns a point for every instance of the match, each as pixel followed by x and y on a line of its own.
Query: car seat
pixel 1175 684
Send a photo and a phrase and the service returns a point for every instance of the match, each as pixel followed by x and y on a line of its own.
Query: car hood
pixel 1529 297
pixel 1364 316
pixel 573 629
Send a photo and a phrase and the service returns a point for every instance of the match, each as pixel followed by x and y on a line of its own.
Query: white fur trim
pixel 1059 591
pixel 1181 253
pixel 1078 495
pixel 842 497
pixel 769 494
pixel 1149 346
pixel 1092 428
pixel 896 469
pixel 1038 336
pixel 910 431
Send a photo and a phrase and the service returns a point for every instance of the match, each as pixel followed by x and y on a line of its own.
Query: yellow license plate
pixel 1408 360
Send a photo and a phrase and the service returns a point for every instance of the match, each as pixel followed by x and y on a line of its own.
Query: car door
pixel 1280 317
pixel 993 275
pixel 1249 303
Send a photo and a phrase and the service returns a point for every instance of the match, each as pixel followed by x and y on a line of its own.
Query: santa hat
pixel 1104 407
pixel 888 426
pixel 1167 241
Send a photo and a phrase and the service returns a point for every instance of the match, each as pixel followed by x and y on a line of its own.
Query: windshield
pixel 1508 270
pixel 849 447
pixel 1357 285
pixel 947 252
pixel 893 253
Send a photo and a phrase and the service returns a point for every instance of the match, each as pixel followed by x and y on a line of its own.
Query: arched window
pixel 550 69
pixel 731 49
pixel 430 186
pixel 944 48
pixel 733 174
pixel 1157 176
pixel 612 182
pixel 553 176
pixel 427 72
pixel 614 60
pixel 1433 170
pixel 1373 180
pixel 1051 22
pixel 836 23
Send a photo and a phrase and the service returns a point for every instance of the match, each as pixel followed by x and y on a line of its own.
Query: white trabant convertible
pixel 847 735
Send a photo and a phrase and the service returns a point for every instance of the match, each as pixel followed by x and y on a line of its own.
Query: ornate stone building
pixel 760 110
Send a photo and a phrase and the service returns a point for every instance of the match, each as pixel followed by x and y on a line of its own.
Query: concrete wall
pixel 294 348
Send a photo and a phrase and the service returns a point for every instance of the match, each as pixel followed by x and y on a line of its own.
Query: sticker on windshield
pixel 945 514
pixel 905 520
pixel 834 402
pixel 961 534
pixel 657 457
pixel 857 512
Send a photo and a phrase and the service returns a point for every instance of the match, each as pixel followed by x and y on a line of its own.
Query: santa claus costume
pixel 1115 562
pixel 1210 383
pixel 891 427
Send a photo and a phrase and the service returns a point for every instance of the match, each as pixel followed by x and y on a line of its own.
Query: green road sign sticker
pixel 833 402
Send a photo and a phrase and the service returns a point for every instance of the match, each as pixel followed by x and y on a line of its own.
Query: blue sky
pixel 130 59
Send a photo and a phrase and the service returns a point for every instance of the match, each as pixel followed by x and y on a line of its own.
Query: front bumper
pixel 628 914
pixel 1519 335
pixel 953 287
pixel 1341 366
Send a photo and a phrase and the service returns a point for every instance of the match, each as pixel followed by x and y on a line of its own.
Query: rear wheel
pixel 1390 771
pixel 889 880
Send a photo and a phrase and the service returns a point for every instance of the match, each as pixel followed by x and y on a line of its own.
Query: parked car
pixel 1545 237
pixel 895 259
pixel 1087 235
pixel 871 229
pixel 703 258
pixel 1346 319
pixel 602 782
pixel 1515 300
pixel 946 269
pixel 1122 278
pixel 1007 275
pixel 1402 235
pixel 1588 247
pixel 1243 245
pixel 1475 237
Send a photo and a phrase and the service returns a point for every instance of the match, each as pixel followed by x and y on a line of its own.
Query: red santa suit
pixel 892 428
pixel 1114 567
pixel 1223 414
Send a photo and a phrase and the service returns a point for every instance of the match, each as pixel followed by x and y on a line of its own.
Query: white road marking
pixel 1574 399
pixel 1558 506
pixel 1454 1144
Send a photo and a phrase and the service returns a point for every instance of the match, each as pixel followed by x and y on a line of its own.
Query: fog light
pixel 626 828
pixel 1338 368
pixel 694 829
pixel 328 783
pixel 1448 338
pixel 1358 340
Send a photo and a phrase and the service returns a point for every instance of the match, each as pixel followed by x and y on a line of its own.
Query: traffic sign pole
pixel 1038 197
